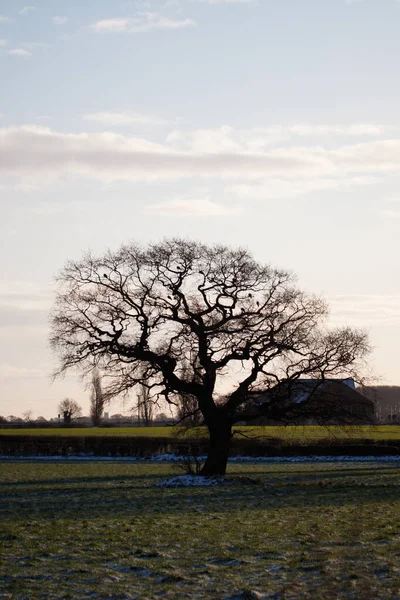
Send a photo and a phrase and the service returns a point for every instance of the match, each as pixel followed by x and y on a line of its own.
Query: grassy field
pixel 288 434
pixel 104 530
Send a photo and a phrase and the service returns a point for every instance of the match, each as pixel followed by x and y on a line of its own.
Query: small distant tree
pixel 41 419
pixel 145 405
pixel 27 416
pixel 162 417
pixel 97 399
pixel 118 417
pixel 70 410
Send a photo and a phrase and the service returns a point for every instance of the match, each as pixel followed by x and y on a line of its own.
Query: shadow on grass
pixel 122 495
pixel 115 479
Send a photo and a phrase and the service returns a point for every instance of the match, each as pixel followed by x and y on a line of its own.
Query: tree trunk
pixel 218 450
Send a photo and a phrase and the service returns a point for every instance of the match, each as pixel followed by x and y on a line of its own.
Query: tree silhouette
pixel 97 398
pixel 142 314
pixel 145 405
pixel 70 409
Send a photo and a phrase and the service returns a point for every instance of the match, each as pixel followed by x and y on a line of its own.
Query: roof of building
pixel 324 400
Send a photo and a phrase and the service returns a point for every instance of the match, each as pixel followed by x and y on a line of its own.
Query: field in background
pixel 105 530
pixel 297 434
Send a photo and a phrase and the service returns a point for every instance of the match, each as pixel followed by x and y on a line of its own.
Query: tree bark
pixel 218 451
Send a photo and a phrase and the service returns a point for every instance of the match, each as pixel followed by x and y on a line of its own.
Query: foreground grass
pixel 105 531
pixel 288 434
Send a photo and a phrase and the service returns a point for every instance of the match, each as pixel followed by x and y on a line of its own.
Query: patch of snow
pixel 193 481
pixel 168 458
pixel 247 595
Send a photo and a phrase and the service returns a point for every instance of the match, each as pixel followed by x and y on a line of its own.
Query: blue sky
pixel 268 124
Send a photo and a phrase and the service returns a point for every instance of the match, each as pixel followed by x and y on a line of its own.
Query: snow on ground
pixel 169 458
pixel 193 481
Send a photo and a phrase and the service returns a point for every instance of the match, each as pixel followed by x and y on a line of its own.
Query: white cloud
pixel 3 43
pixel 358 129
pixel 142 22
pixel 391 212
pixel 60 20
pixel 4 19
pixel 110 25
pixel 365 310
pixel 12 372
pixel 198 207
pixel 39 152
pixel 19 52
pixel 24 305
pixel 34 151
pixel 124 118
pixel 226 1
pixel 27 9
pixel 258 139
pixel 36 45
pixel 47 209
pixel 25 296
pixel 273 188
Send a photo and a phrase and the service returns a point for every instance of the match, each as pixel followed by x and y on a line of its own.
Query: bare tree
pixel 27 416
pixel 97 398
pixel 70 410
pixel 145 405
pixel 140 313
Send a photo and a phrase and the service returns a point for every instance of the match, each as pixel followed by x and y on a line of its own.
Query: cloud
pixel 258 139
pixel 226 1
pixel 27 9
pixel 110 25
pixel 34 151
pixel 35 45
pixel 365 310
pixel 41 153
pixel 12 372
pixel 24 305
pixel 389 210
pixel 390 214
pixel 293 188
pixel 142 22
pixel 3 43
pixel 4 19
pixel 60 20
pixel 124 118
pixel 25 295
pixel 198 207
pixel 358 129
pixel 19 52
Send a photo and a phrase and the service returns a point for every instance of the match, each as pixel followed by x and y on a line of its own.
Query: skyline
pixel 241 122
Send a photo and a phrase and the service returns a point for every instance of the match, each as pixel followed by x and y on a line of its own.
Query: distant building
pixel 311 401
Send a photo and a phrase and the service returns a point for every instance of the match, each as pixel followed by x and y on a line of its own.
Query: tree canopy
pixel 211 322
pixel 69 409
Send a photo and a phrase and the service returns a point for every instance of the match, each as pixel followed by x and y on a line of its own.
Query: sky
pixel 264 124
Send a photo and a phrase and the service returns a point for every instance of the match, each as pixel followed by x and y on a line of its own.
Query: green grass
pixel 288 434
pixel 104 530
